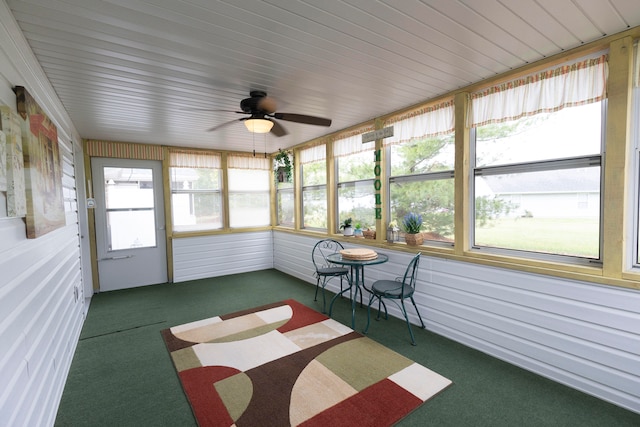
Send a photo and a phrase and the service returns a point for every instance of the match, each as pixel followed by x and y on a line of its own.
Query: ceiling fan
pixel 262 111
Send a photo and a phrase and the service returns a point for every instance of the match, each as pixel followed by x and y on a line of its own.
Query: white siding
pixel 220 255
pixel 584 335
pixel 41 290
pixel 42 306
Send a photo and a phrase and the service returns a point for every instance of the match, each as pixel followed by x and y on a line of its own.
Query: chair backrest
pixel 410 276
pixel 322 249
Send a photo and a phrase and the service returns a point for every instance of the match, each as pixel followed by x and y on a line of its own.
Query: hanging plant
pixel 283 166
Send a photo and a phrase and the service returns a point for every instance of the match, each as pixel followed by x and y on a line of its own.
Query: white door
pixel 130 225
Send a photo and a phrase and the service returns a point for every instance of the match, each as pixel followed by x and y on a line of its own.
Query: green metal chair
pixel 325 271
pixel 397 290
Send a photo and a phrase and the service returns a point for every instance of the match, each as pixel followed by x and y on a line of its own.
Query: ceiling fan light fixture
pixel 258 125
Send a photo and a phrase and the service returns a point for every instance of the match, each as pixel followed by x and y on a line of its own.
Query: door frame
pixel 162 239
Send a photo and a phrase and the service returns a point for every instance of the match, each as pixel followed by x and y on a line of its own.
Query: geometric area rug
pixel 285 364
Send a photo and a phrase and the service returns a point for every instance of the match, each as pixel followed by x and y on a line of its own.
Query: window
pixel 285 202
pixel 249 199
pixel 196 190
pixel 421 178
pixel 355 172
pixel 314 187
pixel 130 208
pixel 537 162
pixel 636 138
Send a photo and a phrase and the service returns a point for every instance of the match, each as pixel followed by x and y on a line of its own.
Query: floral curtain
pixel 313 154
pixel 568 85
pixel 194 159
pixel 248 161
pixel 425 122
pixel 348 143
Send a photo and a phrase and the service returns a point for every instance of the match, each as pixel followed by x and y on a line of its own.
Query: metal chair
pixel 400 289
pixel 326 271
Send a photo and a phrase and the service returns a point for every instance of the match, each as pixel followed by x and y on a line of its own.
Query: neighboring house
pixel 552 194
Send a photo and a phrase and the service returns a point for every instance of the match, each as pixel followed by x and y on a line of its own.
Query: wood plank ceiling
pixel 138 70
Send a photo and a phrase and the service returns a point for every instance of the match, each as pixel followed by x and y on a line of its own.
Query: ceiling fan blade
pixel 226 124
pixel 212 109
pixel 301 118
pixel 278 130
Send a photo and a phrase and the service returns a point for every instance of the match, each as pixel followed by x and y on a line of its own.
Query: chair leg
pixel 315 298
pixel 418 311
pixel 324 298
pixel 369 314
pixel 404 311
pixel 386 314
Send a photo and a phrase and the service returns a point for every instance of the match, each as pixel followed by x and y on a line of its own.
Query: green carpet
pixel 122 374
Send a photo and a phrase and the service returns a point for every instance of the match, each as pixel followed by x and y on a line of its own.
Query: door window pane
pixel 131 229
pixel 129 208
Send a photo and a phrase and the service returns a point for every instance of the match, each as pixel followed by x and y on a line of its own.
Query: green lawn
pixel 565 236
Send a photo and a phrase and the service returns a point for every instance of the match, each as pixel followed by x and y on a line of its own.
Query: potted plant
pixel 358 231
pixel 347 229
pixel 369 232
pixel 283 166
pixel 411 225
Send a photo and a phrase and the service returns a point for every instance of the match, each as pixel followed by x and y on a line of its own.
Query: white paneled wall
pixel 584 335
pixel 41 289
pixel 221 254
pixel 42 306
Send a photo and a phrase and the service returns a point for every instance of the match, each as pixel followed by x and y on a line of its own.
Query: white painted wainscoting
pixel 221 254
pixel 41 290
pixel 584 335
pixel 41 311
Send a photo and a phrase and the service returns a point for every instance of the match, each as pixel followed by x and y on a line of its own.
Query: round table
pixel 356 277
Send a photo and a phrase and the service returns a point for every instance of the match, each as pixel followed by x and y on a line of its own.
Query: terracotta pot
pixel 413 239
pixel 368 234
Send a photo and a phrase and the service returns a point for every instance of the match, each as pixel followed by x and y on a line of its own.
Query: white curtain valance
pixel 194 159
pixel 351 145
pixel 236 161
pixel 426 122
pixel 569 85
pixel 313 154
pixel 350 142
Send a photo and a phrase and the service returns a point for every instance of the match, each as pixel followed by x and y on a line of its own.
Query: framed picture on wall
pixel 16 187
pixel 42 166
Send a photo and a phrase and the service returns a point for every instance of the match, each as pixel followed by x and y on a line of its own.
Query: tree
pixel 434 199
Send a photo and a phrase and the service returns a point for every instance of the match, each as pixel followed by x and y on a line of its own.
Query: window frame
pixel 352 183
pixel 231 193
pixel 193 192
pixel 634 262
pixel 304 188
pixel 565 163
